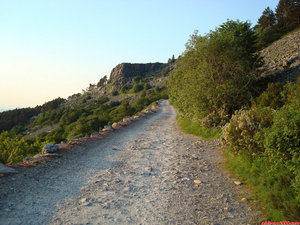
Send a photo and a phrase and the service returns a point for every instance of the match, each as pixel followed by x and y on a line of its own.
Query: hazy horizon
pixel 57 48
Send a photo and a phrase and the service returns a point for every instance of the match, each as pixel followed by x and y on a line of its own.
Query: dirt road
pixel 147 173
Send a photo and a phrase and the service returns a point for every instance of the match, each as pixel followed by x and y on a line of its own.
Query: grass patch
pixel 270 183
pixel 193 128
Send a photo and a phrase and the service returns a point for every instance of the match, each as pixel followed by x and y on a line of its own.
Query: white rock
pixel 83 200
pixel 238 182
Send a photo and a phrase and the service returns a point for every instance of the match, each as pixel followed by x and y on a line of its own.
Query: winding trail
pixel 142 174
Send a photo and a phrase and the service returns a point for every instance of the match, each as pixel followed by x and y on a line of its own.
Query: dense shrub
pixel 265 36
pixel 126 88
pixel 147 86
pixel 216 73
pixel 15 148
pixel 240 133
pixel 283 137
pixel 263 146
pixel 114 93
pixel 137 87
pixel 271 97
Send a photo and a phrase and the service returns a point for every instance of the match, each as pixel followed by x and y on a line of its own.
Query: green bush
pixel 216 73
pixel 165 71
pixel 15 148
pixel 114 93
pixel 136 79
pixel 125 109
pixel 126 88
pixel 147 86
pixel 265 36
pixel 275 135
pixel 240 134
pixel 137 87
pixel 283 137
pixel 271 97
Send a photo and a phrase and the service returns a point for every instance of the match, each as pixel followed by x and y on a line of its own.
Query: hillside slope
pixel 130 88
pixel 282 57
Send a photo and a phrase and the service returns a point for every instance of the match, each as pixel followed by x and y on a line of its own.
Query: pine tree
pixel 287 15
pixel 173 59
pixel 268 19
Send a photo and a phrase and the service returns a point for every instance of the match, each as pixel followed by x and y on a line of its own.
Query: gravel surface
pixel 147 173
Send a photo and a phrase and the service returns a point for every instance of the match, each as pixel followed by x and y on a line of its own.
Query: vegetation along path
pixel 147 173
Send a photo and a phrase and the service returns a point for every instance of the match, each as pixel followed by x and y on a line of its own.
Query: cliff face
pixel 125 71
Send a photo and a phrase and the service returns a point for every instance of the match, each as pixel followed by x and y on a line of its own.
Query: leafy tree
pixel 216 73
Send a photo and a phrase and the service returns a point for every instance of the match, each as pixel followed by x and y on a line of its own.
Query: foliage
pixel 11 118
pixel 216 72
pixel 288 16
pixel 271 97
pixel 114 92
pixel 72 122
pixel 165 71
pixel 276 187
pixel 126 88
pixel 265 36
pixel 271 26
pixel 267 19
pixel 54 104
pixel 137 87
pixel 240 133
pixel 125 109
pixel 264 149
pixel 15 148
pixel 147 86
pixel 283 137
pixel 20 117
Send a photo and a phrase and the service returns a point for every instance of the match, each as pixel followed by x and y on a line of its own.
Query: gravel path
pixel 147 173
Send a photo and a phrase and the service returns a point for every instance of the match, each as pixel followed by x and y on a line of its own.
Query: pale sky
pixel 55 48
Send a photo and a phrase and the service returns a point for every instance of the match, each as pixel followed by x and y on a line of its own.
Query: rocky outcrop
pixel 125 71
pixel 50 148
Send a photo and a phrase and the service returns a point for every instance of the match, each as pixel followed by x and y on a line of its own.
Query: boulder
pixel 50 148
pixel 6 170
pixel 126 120
pixel 75 139
pixel 64 146
pixel 154 106
pixel 115 125
pixel 95 134
pixel 49 155
pixel 148 111
pixel 107 128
